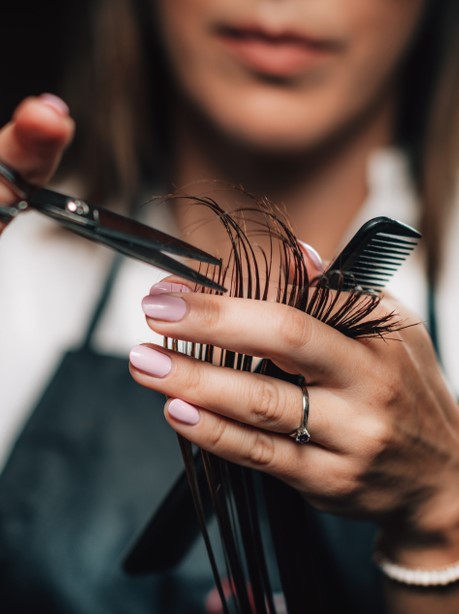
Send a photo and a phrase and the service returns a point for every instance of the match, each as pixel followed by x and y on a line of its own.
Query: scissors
pixel 121 233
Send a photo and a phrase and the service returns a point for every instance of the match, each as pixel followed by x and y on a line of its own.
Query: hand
pixel 384 426
pixel 33 141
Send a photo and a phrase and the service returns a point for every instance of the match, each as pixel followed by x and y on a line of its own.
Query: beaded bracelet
pixel 441 576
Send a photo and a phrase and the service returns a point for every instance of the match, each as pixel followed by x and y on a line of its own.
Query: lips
pixel 282 54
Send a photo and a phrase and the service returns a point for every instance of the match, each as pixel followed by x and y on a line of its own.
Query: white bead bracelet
pixel 441 576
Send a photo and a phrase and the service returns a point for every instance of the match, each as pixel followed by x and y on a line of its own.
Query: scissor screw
pixel 77 206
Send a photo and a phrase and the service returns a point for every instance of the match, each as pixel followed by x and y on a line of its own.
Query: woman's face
pixel 286 74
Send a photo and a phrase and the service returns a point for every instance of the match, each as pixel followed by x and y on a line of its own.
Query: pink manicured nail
pixel 150 361
pixel 184 412
pixel 55 103
pixel 313 255
pixel 164 287
pixel 164 307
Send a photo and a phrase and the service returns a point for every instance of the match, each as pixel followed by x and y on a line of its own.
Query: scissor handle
pixel 19 185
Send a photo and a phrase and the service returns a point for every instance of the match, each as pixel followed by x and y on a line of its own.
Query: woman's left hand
pixel 384 426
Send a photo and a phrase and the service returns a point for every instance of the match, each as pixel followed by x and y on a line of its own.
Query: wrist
pixel 427 547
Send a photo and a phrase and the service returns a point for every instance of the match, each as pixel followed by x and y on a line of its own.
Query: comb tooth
pixel 392 237
pixel 374 251
pixel 385 246
pixel 389 241
pixel 369 278
pixel 390 247
pixel 393 241
pixel 397 238
pixel 367 283
pixel 379 256
pixel 372 273
pixel 374 267
pixel 383 258
pixel 385 254
pixel 377 274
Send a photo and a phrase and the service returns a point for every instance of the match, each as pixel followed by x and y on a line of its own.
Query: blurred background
pixel 34 47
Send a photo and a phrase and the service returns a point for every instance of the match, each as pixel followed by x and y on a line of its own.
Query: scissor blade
pixel 150 255
pixel 146 235
pixel 182 270
pixel 83 213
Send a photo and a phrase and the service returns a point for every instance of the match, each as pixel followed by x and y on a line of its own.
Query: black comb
pixel 373 254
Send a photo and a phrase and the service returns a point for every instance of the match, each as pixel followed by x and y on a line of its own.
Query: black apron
pixel 93 461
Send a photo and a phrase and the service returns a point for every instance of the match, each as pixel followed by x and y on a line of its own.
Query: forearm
pixel 434 557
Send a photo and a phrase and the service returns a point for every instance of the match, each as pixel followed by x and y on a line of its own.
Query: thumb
pixel 33 141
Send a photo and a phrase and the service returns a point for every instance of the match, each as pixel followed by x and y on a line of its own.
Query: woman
pixel 292 100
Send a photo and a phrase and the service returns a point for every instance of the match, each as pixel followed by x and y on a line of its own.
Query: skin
pixel 303 140
pixel 33 142
pixel 303 110
pixel 379 428
pixel 393 414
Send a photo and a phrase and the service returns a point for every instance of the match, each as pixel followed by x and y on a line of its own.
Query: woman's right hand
pixel 33 141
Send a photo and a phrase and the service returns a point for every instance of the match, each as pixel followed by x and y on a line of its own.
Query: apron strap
pixel 432 319
pixel 133 210
pixel 102 301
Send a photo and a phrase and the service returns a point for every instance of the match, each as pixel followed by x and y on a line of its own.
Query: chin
pixel 272 139
pixel 282 132
pixel 273 121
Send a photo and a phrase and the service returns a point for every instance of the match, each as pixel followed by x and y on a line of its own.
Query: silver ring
pixel 301 434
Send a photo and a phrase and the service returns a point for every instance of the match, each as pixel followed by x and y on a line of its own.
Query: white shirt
pixel 50 281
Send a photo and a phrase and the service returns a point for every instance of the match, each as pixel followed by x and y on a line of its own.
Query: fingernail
pixel 313 256
pixel 55 103
pixel 164 287
pixel 150 361
pixel 164 307
pixel 183 412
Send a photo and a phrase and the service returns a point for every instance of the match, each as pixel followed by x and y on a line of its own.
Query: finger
pixel 311 469
pixel 292 339
pixel 33 141
pixel 328 480
pixel 236 442
pixel 256 400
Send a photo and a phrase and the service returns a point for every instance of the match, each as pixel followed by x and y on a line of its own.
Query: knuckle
pixel 210 313
pixel 378 437
pixel 293 328
pixel 390 391
pixel 347 484
pixel 191 377
pixel 259 453
pixel 265 403
pixel 217 434
pixel 387 385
